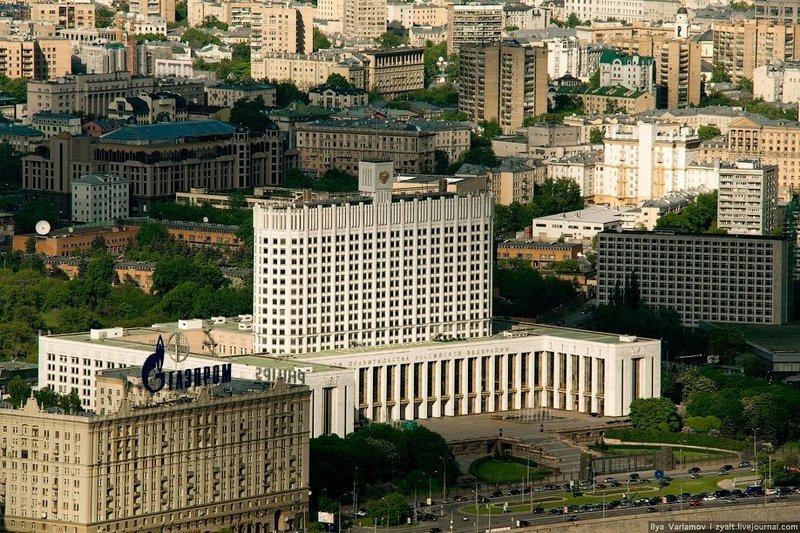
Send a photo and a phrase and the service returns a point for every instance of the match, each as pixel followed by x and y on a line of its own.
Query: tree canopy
pixel 521 291
pixel 321 41
pixel 708 131
pixel 249 113
pixel 198 38
pixel 654 413
pixel 700 216
pixel 551 197
pixel 390 40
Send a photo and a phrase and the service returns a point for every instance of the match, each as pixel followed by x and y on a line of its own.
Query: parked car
pixel 695 503
pixel 723 472
pixel 745 464
pixel 435 530
pixel 727 467
pixel 695 470
pixel 524 523
pixel 695 475
pixel 538 510
pixel 496 494
pixel 633 476
pixel 465 518
pixel 514 492
pixel 652 510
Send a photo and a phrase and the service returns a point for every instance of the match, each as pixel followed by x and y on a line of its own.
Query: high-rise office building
pixel 503 81
pixel 371 271
pixel 719 278
pixel 747 198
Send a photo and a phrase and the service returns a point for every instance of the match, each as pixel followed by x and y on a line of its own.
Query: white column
pixel 384 392
pixel 423 389
pixel 449 407
pixel 477 382
pixel 437 389
pixel 395 392
pixel 518 382
pixel 594 385
pixel 368 393
pixel 464 382
pixel 568 384
pixel 556 378
pixel 409 377
pixel 581 382
pixel 490 406
pixel 544 399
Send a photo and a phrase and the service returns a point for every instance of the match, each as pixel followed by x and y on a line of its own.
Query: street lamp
pixel 444 478
pixel 430 486
pixel 387 513
pixel 754 444
pixel 416 500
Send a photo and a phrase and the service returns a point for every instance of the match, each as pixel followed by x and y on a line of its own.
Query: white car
pixel 710 498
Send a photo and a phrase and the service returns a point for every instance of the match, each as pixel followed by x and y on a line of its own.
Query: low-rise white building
pixel 54 123
pixel 100 198
pixel 779 82
pixel 579 226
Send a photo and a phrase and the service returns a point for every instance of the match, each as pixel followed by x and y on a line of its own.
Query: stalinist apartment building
pixel 230 455
pixel 376 270
pixel 280 27
pixel 364 19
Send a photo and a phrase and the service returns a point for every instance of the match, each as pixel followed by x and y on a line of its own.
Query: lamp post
pixel 444 478
pixel 754 444
pixel 430 486
pixel 387 513
pixel 416 518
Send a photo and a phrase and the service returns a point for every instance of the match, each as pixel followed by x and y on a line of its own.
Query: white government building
pixel 381 304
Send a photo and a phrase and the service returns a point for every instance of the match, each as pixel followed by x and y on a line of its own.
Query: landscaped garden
pixel 506 469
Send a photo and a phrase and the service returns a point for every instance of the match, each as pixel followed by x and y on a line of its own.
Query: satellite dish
pixel 71 229
pixel 205 219
pixel 43 227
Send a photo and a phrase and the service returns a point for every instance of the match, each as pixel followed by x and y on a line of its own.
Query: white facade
pixel 372 271
pixel 578 226
pixel 627 10
pixel 531 367
pixel 100 198
pixel 632 72
pixel 748 197
pixel 174 68
pixel 777 83
pixel 645 161
pixel 71 361
pixel 579 168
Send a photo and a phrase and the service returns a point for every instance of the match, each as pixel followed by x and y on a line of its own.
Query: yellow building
pixel 65 14
pixel 153 8
pixel 39 59
pixel 393 71
pixel 742 45
pixel 215 453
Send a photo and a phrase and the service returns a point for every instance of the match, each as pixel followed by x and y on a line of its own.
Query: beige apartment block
pixel 330 10
pixel 678 76
pixel 65 14
pixel 748 198
pixel 281 28
pixel 473 24
pixel 743 45
pixel 772 142
pixel 36 59
pixel 326 144
pixel 233 13
pixel 87 93
pixel 202 458
pixel 364 19
pixel 393 71
pixel 307 71
pixel 503 81
pixel 154 8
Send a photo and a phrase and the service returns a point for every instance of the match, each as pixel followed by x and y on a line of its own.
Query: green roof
pixel 615 92
pixel 610 56
pixel 168 133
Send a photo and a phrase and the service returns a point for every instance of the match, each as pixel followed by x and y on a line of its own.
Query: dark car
pixel 695 470
pixel 496 494
pixel 633 476
pixel 514 492
pixel 435 530
pixel 671 498
pixel 727 467
pixel 524 523
pixel 538 510
pixel 652 510
pixel 556 510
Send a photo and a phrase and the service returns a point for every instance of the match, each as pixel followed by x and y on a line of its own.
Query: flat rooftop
pixel 595 214
pixel 783 339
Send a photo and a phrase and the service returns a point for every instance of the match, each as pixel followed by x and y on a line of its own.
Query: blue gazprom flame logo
pixel 153 368
pixel 154 378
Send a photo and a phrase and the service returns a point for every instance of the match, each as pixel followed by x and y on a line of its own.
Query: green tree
pixel 708 131
pixel 32 212
pixel 746 84
pixel 544 118
pixel 18 390
pixel 287 92
pixel 335 180
pixel 71 403
pixel 14 87
pixel 241 52
pixel 103 16
pixel 250 114
pixel 654 414
pixel 612 107
pixel 47 398
pixel 567 266
pixel 556 196
pixel 321 40
pixel 700 216
pixel 728 343
pixel 338 81
pixel 596 136
pixel 572 21
pixel 170 273
pixel 390 40
pixel 594 80
pixel 212 22
pixel 198 38
pixel 181 11
pixel 694 383
pixel 391 508
pixel 719 74
pixel 149 38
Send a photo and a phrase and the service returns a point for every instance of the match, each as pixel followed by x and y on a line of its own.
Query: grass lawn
pixel 687 455
pixel 500 471
pixel 558 499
